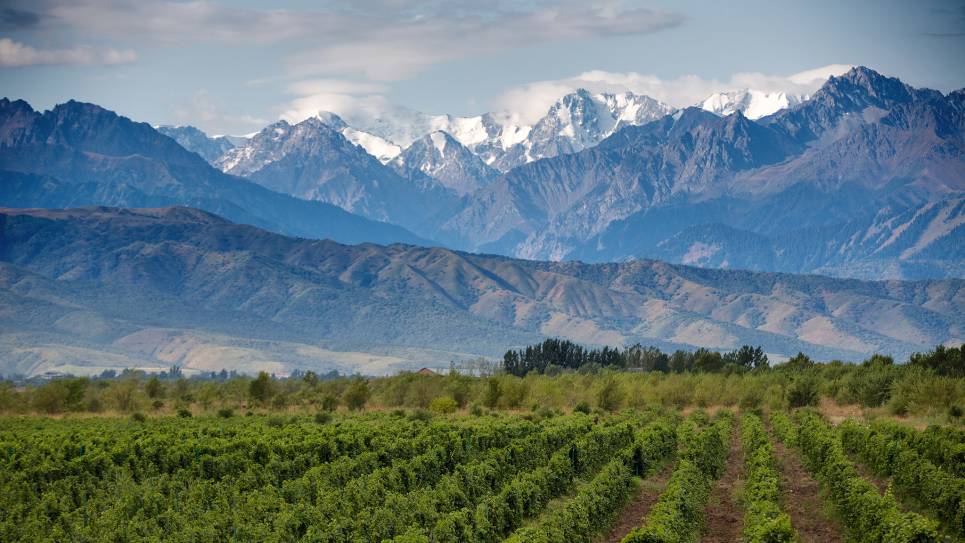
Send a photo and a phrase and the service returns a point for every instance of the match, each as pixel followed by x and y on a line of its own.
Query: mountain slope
pixel 864 142
pixel 440 157
pixel 169 285
pixel 198 142
pixel 313 160
pixel 80 154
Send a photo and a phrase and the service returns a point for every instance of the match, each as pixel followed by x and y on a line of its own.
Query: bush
pixel 955 411
pixel 226 412
pixel 157 405
pixel 420 415
pixel 582 407
pixel 476 410
pixel 357 394
pixel 493 393
pixel 184 413
pixel 323 418
pixel 610 396
pixel 329 402
pixel 443 405
pixel 804 391
pixel 138 417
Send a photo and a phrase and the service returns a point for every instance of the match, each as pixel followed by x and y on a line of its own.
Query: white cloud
pixel 201 111
pixel 531 101
pixel 15 54
pixel 382 40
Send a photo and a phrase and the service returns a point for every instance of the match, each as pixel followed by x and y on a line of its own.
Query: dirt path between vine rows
pixel 724 515
pixel 802 499
pixel 633 514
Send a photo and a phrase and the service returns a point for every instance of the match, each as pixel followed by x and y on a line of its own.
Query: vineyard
pixel 631 476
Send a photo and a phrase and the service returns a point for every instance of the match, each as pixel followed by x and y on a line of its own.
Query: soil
pixel 802 499
pixel 724 514
pixel 636 511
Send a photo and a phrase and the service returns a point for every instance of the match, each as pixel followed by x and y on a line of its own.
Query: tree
pixel 493 393
pixel 261 388
pixel 154 388
pixel 610 396
pixel 357 394
pixel 748 357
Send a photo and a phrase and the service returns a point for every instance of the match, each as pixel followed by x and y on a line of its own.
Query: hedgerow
pixel 869 516
pixel 764 522
pixel 592 509
pixel 678 515
pixel 939 492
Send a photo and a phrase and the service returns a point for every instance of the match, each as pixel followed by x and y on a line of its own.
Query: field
pixel 648 475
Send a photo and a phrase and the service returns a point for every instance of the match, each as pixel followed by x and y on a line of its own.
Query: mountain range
pixel 80 154
pixel 613 219
pixel 91 288
pixel 613 177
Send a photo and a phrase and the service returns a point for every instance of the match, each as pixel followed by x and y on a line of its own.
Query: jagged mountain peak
pixel 440 156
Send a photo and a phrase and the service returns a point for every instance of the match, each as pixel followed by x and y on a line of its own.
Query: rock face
pixel 439 156
pixel 81 154
pixel 863 152
pixel 313 160
pixel 161 286
pixel 198 142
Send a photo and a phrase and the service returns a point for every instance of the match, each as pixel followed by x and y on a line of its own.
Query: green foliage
pixel 357 394
pixel 184 413
pixel 609 397
pixel 323 417
pixel 764 522
pixel 947 361
pixel 804 390
pixel 677 517
pixel 902 454
pixel 582 407
pixel 868 516
pixel 261 388
pixel 443 405
pixel 154 388
pixel 226 412
pixel 329 402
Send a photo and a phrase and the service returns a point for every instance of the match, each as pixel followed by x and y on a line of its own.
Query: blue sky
pixel 233 66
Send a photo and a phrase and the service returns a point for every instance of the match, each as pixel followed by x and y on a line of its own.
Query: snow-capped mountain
pixel 439 156
pixel 581 120
pixel 754 104
pixel 314 160
pixel 575 122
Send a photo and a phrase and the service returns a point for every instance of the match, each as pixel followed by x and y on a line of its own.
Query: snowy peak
pixel 581 120
pixel 441 157
pixel 754 104
pixel 374 145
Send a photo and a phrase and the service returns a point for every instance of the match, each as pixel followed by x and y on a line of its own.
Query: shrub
pixel 582 407
pixel 804 391
pixel 476 410
pixel 323 418
pixel 157 405
pixel 329 402
pixel 443 405
pixel 184 413
pixel 357 394
pixel 610 396
pixel 138 417
pixel 226 412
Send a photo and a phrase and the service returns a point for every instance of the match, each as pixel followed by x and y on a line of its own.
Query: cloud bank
pixel 16 55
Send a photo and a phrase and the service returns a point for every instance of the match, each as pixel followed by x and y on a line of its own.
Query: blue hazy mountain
pixel 80 154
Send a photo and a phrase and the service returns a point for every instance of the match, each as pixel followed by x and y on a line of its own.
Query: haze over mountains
pixel 85 289
pixel 863 179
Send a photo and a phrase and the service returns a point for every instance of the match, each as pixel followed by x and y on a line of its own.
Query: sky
pixel 231 67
